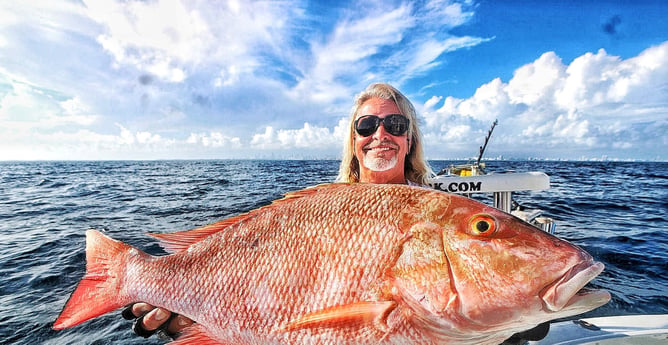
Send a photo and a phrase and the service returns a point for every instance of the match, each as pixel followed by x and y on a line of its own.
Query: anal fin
pixel 196 335
pixel 359 313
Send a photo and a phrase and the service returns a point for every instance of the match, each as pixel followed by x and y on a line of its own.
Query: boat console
pixel 471 178
pixel 502 185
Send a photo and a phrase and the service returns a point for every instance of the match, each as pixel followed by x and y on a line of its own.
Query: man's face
pixel 381 154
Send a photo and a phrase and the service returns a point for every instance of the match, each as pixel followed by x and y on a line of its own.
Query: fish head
pixel 468 268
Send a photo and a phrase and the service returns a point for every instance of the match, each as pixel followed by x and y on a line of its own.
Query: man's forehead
pixel 378 106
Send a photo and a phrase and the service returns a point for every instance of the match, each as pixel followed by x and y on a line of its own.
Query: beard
pixel 379 164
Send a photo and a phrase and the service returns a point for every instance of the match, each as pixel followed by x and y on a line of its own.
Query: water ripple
pixel 616 211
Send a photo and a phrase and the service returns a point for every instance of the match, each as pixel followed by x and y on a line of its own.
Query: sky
pixel 170 79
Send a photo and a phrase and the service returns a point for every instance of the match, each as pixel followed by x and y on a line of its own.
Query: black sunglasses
pixel 395 124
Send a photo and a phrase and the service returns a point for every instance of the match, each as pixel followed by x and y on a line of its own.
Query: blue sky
pixel 170 79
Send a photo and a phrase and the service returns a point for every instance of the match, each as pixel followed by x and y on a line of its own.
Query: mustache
pixel 382 143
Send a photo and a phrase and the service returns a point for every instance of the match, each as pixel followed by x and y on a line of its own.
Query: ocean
pixel 617 211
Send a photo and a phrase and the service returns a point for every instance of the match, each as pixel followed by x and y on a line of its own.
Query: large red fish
pixel 347 264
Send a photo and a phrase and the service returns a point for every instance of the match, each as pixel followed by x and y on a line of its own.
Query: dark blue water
pixel 617 211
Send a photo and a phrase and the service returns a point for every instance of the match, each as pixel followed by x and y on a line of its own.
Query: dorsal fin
pixel 310 190
pixel 175 242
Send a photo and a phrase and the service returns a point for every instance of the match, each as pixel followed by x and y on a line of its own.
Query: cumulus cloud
pixel 87 144
pixel 308 137
pixel 214 140
pixel 598 102
pixel 170 78
pixel 212 69
pixel 81 144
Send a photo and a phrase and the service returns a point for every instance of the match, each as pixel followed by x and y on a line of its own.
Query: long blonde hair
pixel 416 168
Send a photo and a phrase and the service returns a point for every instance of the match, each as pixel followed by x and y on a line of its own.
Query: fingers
pixel 139 309
pixel 155 318
pixel 136 310
pixel 128 314
pixel 140 330
pixel 537 333
pixel 150 319
pixel 177 324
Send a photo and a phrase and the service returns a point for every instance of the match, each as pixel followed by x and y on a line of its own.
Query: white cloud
pixel 167 68
pixel 598 102
pixel 24 107
pixel 446 13
pixel 382 43
pixel 423 55
pixel 123 144
pixel 309 136
pixel 588 78
pixel 536 82
pixel 171 38
pixel 429 104
pixel 190 77
pixel 346 53
pixel 566 127
pixel 214 140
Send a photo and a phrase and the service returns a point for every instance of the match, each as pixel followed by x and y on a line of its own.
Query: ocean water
pixel 616 211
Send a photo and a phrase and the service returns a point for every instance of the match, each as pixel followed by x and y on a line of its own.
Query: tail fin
pixel 99 290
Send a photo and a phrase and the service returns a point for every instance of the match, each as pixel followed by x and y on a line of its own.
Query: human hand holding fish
pixel 347 264
pixel 150 319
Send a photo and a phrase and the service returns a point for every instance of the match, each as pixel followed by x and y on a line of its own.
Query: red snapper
pixel 347 264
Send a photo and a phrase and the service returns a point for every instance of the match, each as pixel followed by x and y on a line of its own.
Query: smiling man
pixel 381 141
pixel 384 144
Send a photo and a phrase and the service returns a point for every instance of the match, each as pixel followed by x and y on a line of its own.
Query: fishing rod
pixel 484 146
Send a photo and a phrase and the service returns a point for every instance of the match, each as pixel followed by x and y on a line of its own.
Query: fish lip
pixel 568 292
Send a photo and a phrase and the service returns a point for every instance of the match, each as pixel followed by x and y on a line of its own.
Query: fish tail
pixel 99 291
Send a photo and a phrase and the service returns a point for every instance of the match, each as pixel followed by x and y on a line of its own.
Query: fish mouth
pixel 567 294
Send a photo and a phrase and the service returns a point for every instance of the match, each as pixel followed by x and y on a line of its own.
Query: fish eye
pixel 482 224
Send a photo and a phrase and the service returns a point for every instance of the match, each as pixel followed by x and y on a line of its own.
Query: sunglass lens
pixel 396 124
pixel 367 125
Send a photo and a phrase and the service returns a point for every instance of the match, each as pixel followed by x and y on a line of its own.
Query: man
pixel 384 144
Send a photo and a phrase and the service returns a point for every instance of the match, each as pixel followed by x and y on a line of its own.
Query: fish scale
pixel 342 264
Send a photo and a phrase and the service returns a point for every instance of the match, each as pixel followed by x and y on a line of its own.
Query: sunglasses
pixel 395 124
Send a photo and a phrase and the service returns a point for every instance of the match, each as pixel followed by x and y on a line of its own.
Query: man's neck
pixel 382 177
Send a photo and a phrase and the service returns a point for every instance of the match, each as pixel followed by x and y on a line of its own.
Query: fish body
pixel 347 264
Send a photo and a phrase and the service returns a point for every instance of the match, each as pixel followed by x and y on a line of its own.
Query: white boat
pixel 471 178
pixel 610 330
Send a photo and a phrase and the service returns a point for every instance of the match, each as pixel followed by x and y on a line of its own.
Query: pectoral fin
pixel 345 315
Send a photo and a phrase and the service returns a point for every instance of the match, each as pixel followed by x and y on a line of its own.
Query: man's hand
pixel 537 333
pixel 150 319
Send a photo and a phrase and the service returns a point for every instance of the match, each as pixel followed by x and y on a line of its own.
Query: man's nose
pixel 380 132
